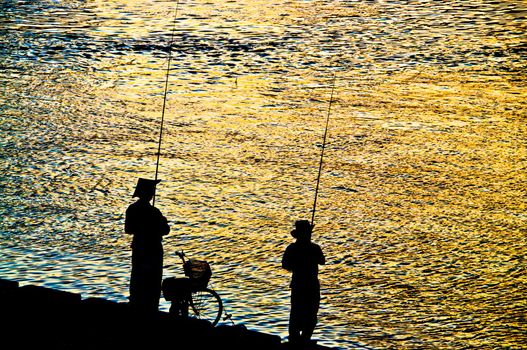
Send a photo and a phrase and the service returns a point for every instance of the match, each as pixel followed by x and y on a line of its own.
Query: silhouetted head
pixel 303 230
pixel 145 188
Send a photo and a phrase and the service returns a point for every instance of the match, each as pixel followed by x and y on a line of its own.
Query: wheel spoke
pixel 206 305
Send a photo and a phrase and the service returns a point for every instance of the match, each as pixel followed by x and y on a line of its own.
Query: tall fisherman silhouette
pixel 302 259
pixel 148 226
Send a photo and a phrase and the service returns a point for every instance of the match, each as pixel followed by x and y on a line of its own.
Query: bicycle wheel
pixel 206 304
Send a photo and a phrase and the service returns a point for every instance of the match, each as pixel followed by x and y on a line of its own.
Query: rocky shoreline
pixel 35 316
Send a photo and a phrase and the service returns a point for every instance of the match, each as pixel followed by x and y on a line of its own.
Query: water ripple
pixel 420 210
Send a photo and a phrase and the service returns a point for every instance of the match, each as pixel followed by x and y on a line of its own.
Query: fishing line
pixel 323 148
pixel 169 61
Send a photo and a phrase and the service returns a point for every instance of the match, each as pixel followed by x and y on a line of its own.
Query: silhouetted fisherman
pixel 302 259
pixel 148 226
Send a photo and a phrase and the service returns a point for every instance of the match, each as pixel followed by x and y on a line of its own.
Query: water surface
pixel 422 210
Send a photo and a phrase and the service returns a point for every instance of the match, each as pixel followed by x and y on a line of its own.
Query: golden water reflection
pixel 422 208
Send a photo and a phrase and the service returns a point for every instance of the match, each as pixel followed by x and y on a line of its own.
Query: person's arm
pixel 128 223
pixel 165 228
pixel 286 260
pixel 322 258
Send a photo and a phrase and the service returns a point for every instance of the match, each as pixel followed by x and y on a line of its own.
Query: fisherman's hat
pixel 145 187
pixel 301 226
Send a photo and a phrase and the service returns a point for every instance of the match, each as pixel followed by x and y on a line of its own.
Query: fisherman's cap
pixel 145 187
pixel 301 226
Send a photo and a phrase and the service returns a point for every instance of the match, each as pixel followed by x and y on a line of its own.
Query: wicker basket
pixel 198 271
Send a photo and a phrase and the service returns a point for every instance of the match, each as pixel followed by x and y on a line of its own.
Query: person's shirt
pixel 302 259
pixel 146 223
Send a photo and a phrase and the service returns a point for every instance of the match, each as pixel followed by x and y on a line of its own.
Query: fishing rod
pixel 169 61
pixel 323 148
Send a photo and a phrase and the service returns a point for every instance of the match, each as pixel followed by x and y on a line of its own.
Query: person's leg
pixel 311 311
pixel 184 307
pixel 294 318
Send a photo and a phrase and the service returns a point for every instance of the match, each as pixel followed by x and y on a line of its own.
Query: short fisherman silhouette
pixel 302 259
pixel 148 226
